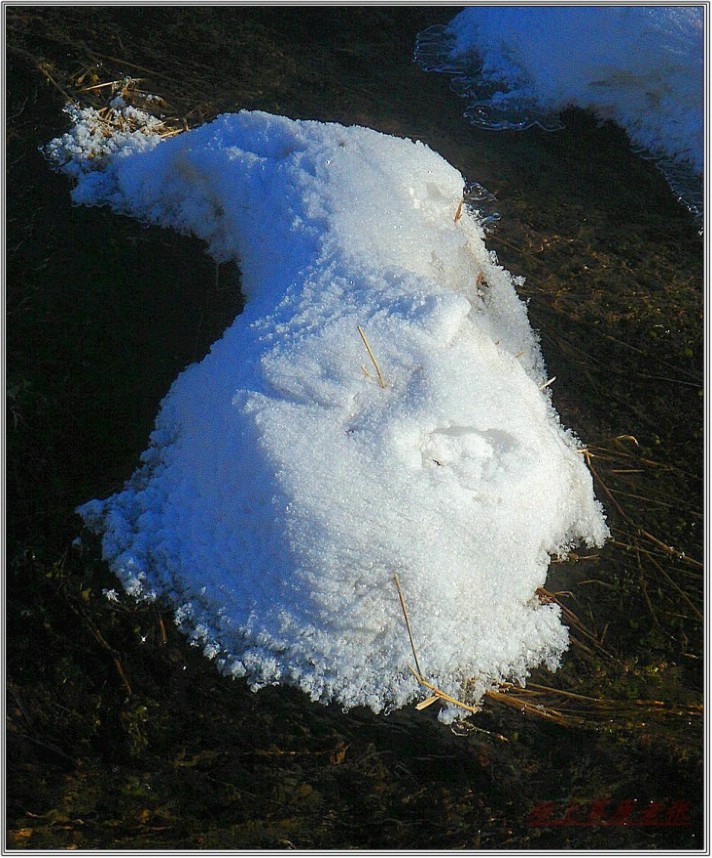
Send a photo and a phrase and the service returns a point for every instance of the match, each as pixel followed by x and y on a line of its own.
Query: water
pixel 435 52
pixel 639 67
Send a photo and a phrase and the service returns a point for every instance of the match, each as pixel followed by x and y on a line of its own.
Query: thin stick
pixel 437 694
pixel 372 356
pixel 162 627
pixel 441 694
pixel 631 438
pixel 668 549
pixel 123 62
pixel 546 714
pixel 624 515
pixel 108 83
pixel 407 622
pixel 42 67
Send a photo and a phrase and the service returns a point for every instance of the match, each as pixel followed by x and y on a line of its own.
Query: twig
pixel 574 622
pixel 407 624
pixel 102 642
pixel 162 628
pixel 441 695
pixel 372 356
pixel 122 62
pixel 108 83
pixel 437 693
pixel 43 69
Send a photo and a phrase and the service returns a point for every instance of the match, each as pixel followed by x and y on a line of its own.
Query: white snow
pixel 640 66
pixel 284 486
pixel 93 142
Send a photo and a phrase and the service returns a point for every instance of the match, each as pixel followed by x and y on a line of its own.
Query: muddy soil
pixel 119 734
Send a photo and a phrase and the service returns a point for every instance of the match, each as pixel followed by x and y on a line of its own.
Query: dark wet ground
pixel 120 735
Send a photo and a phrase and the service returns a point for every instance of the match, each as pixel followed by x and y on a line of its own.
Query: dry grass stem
pixel 111 83
pixel 437 693
pixel 574 622
pixel 372 356
pixel 407 623
pixel 569 709
pixel 43 68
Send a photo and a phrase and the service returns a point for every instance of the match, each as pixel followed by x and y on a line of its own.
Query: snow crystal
pixel 639 66
pixel 284 487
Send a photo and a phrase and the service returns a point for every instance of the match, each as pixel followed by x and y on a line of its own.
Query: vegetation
pixel 119 734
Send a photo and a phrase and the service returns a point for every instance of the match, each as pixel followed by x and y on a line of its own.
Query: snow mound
pixel 284 486
pixel 641 67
